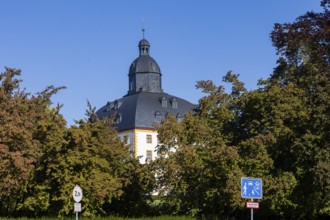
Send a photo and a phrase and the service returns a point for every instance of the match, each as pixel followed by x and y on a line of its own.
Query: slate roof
pixel 139 110
pixel 144 64
pixel 143 108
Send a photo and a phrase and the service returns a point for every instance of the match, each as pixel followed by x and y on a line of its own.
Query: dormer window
pixel 116 105
pixel 174 103
pixel 109 106
pixel 179 117
pixel 118 118
pixel 164 102
pixel 158 117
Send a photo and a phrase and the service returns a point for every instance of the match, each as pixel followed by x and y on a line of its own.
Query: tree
pixel 26 125
pixel 278 132
pixel 41 160
pixel 304 46
pixel 95 159
pixel 136 199
pixel 198 172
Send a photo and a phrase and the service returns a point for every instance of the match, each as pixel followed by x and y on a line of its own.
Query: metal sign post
pixel 252 211
pixel 77 196
pixel 251 188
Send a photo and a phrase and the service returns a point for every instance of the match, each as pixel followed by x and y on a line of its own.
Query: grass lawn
pixel 109 218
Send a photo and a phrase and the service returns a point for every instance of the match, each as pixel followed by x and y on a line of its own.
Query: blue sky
pixel 88 46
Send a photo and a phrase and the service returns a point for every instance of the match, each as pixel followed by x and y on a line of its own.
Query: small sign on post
pixel 77 196
pixel 252 205
pixel 77 207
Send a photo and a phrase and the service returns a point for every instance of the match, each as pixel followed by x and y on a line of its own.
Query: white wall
pixel 138 138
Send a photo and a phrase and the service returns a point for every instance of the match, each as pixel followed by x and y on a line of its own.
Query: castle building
pixel 144 106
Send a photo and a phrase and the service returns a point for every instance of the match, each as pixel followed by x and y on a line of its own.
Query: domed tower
pixel 144 72
pixel 144 106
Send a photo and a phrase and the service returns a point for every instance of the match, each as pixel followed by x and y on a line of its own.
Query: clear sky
pixel 88 45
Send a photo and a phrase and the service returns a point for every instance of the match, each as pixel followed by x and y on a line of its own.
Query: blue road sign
pixel 251 188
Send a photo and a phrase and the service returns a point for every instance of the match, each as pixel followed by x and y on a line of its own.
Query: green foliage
pixel 305 66
pixel 24 139
pixel 93 158
pixel 200 177
pixel 279 132
pixel 136 198
pixel 41 160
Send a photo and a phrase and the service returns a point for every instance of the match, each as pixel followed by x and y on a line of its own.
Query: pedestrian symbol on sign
pixel 251 188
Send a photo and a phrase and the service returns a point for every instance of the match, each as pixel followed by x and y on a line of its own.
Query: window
pixel 158 116
pixel 131 150
pixel 149 138
pixel 118 118
pixel 108 109
pixel 116 104
pixel 164 102
pixel 174 103
pixel 148 156
pixel 179 117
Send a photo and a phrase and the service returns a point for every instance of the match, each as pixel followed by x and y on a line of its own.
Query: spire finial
pixel 143 30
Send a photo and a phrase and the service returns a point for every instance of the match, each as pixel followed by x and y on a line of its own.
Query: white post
pixel 76 215
pixel 251 211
